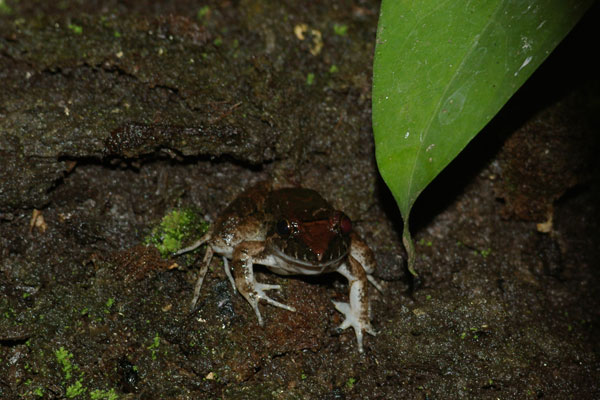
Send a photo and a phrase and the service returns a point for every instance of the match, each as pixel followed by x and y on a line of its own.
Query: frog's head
pixel 307 230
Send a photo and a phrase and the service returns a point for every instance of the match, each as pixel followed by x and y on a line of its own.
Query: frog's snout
pixel 317 236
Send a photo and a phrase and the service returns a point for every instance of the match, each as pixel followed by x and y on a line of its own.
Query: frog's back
pixel 243 219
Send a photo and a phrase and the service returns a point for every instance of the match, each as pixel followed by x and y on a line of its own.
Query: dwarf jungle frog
pixel 291 231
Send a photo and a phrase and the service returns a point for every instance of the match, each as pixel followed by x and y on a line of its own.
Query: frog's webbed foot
pixel 245 282
pixel 356 311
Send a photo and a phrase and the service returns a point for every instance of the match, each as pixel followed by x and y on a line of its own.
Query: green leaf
pixel 442 70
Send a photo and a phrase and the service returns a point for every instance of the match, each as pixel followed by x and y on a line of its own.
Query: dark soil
pixel 113 114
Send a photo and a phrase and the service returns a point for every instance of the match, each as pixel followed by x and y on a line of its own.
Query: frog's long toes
pixel 254 303
pixel 261 287
pixel 344 308
pixel 266 286
pixel 370 330
pixel 353 319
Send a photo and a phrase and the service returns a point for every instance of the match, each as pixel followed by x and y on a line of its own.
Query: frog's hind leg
pixel 205 263
pixel 244 256
pixel 201 274
pixel 205 238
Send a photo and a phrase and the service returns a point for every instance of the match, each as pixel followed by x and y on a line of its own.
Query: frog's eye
pixel 345 225
pixel 283 227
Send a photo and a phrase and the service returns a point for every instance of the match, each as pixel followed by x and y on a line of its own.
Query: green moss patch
pixel 178 227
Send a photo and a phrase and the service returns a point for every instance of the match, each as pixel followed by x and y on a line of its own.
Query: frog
pixel 290 231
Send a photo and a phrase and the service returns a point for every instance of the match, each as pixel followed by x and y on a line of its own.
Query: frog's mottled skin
pixel 290 231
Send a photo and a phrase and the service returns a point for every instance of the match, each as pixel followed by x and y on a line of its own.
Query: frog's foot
pixel 243 260
pixel 356 320
pixel 261 287
pixel 258 293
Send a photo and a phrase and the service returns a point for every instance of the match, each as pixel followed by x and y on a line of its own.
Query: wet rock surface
pixel 111 115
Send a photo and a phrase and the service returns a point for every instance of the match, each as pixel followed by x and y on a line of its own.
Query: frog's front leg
pixel 245 255
pixel 357 310
pixel 365 257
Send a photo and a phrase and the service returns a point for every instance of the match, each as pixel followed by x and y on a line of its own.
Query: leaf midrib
pixel 439 105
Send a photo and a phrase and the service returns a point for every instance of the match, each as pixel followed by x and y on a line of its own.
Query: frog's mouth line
pixel 316 267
